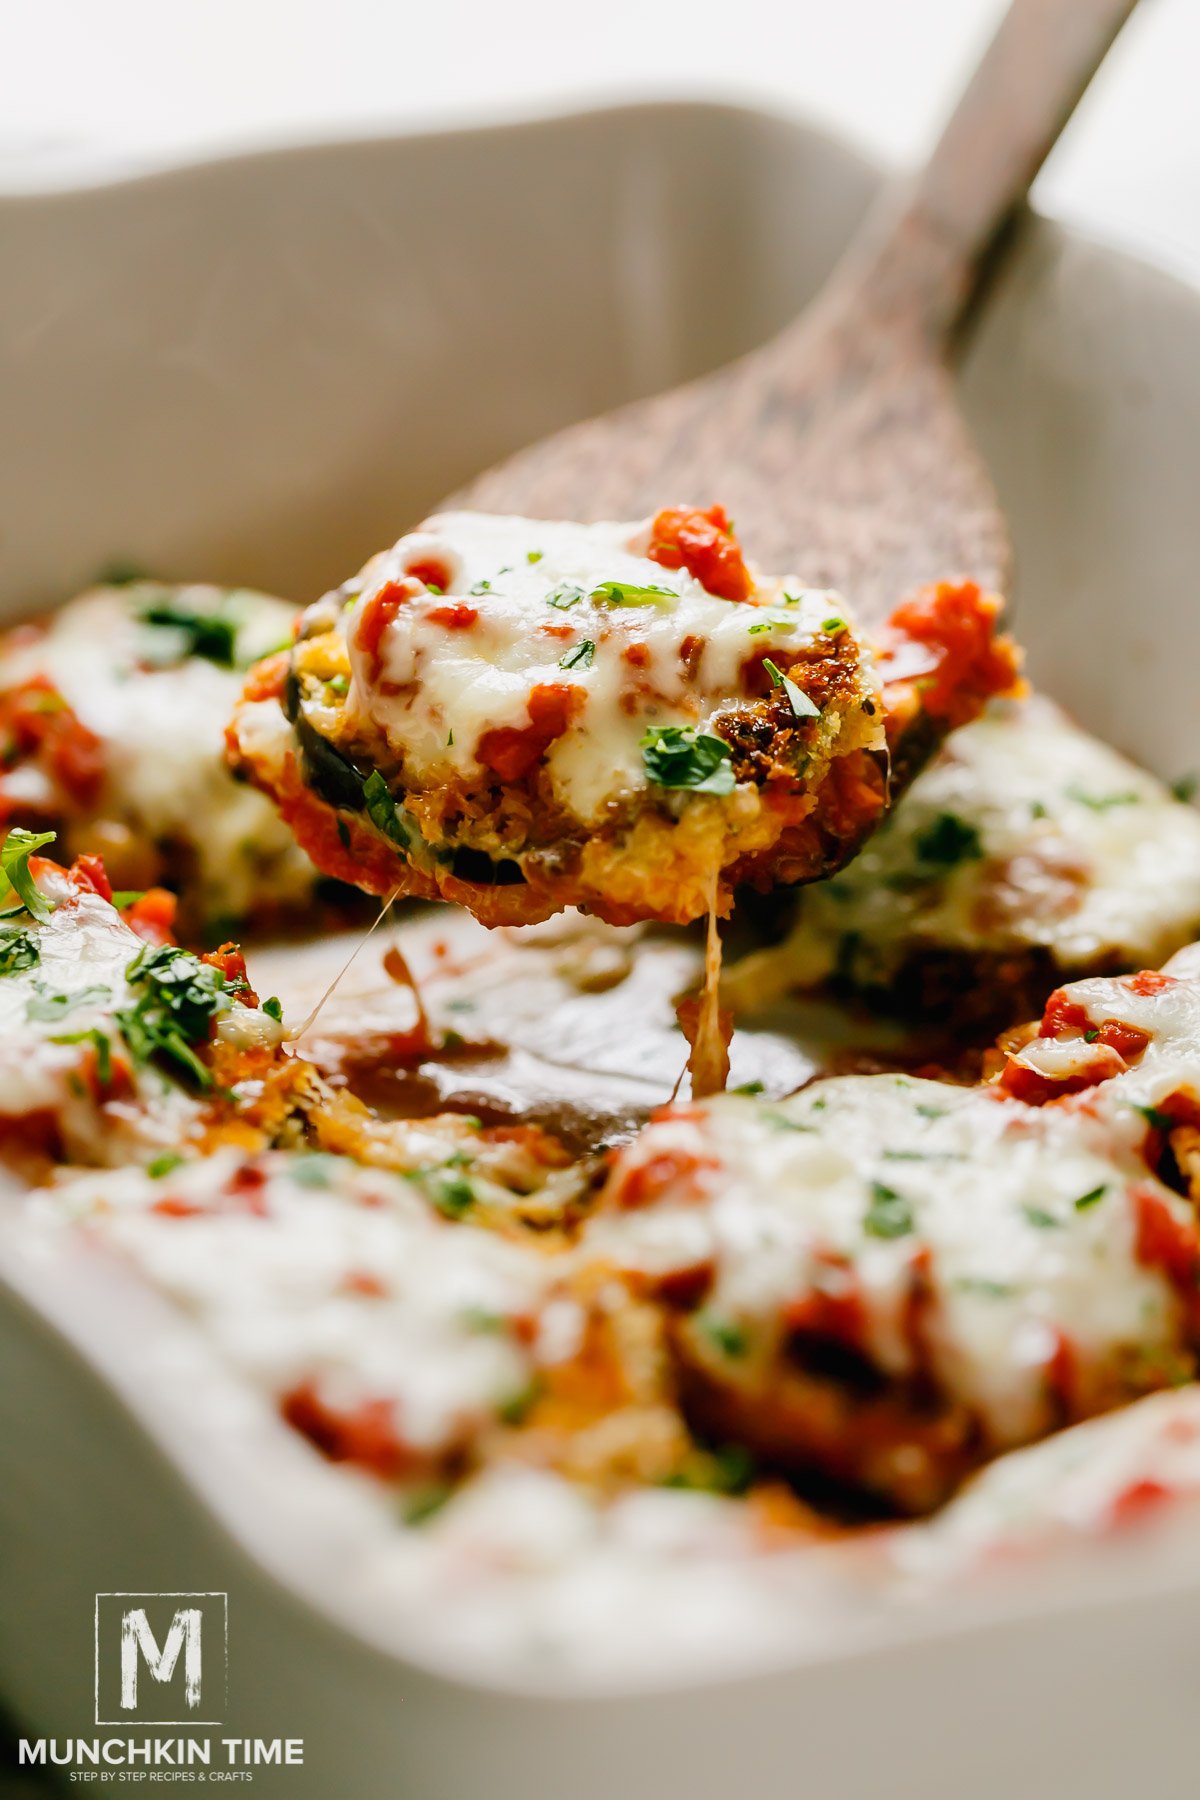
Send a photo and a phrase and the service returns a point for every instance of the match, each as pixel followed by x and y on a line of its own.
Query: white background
pixel 93 82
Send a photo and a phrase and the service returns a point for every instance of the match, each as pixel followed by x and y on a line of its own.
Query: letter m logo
pixel 160 1658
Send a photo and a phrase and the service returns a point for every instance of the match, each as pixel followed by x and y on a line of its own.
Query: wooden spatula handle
pixel 921 250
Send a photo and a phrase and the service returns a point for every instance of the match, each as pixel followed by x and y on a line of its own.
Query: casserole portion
pixel 112 716
pixel 889 1280
pixel 1027 852
pixel 522 715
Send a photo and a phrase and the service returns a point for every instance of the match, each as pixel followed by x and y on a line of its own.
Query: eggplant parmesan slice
pixel 112 718
pixel 1027 853
pixel 891 1280
pixel 522 716
pixel 387 1327
pixel 117 1047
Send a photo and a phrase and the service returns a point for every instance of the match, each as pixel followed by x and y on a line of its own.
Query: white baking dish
pixel 260 369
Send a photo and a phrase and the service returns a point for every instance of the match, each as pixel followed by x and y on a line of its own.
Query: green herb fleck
pixel 931 1112
pixel 314 1170
pixel 339 685
pixel 1185 788
pixel 773 625
pixel 627 593
pixel 889 1214
pixel 981 1284
pixel 802 706
pixel 1156 1118
pixel 208 635
pixel 177 997
pixel 726 1335
pixel 833 625
pixel 15 878
pixel 566 595
pixel 18 950
pixel 163 1165
pixel 749 1087
pixel 99 1042
pixel 949 840
pixel 480 587
pixel 676 756
pixel 1040 1218
pixel 1101 802
pixel 126 897
pixel 580 657
pixel 273 1008
pixel 534 556
pixel 1091 1197
pixel 44 1004
pixel 422 1505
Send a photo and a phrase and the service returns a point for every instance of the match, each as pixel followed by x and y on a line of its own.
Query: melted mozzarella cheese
pixel 344 1277
pixel 1026 832
pixel 161 716
pixel 436 688
pixel 872 1170
pixel 52 1016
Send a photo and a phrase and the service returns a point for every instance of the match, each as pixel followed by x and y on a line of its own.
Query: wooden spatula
pixel 838 448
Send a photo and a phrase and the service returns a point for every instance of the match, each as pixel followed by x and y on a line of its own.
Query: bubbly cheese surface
pixel 342 1277
pixel 662 651
pixel 160 711
pixel 1019 1221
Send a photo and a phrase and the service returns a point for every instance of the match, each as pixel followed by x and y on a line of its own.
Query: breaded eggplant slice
pixel 1028 852
pixel 890 1280
pixel 523 716
pixel 112 715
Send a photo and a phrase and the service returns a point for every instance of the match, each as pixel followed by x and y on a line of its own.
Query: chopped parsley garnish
pixel 519 1405
pixel 1090 1036
pixel 802 707
pixel 177 997
pixel 313 1171
pixel 204 634
pixel 273 1007
pixel 1040 1218
pixel 627 593
pixel 99 1042
pixel 566 595
pixel 773 625
pixel 1185 788
pixel 1101 802
pixel 889 1214
pixel 484 1319
pixel 749 1087
pixel 949 840
pixel 124 897
pixel 451 1194
pixel 422 1505
pixel 1155 1118
pixel 534 556
pixel 163 1165
pixel 580 657
pixel 339 685
pixel 833 625
pixel 18 950
pixel 726 1335
pixel 15 878
pixel 1091 1197
pixel 480 587
pixel 677 756
pixel 45 1004
pixel 931 1112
